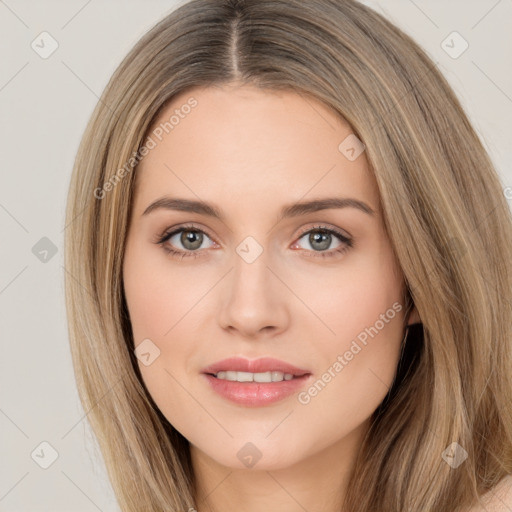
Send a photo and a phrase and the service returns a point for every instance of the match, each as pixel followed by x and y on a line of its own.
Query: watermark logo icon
pixel 454 45
pixel 351 147
pixel 454 455
pixel 44 45
pixel 249 249
pixel 147 352
pixel 249 455
pixel 44 455
pixel 44 250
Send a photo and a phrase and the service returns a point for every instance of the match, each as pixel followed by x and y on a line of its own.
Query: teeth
pixel 254 377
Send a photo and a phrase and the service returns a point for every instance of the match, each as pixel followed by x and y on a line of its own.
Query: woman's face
pixel 317 288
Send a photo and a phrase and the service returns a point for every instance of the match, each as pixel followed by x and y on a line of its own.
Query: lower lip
pixel 256 394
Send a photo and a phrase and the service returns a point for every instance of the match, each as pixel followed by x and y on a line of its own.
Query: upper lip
pixel 264 364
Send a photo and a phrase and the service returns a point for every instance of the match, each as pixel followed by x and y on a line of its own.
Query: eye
pixel 192 240
pixel 321 238
pixel 190 237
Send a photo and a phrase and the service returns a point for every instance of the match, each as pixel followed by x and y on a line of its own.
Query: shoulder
pixel 498 499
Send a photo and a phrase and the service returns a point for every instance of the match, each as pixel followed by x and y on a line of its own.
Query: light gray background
pixel 45 104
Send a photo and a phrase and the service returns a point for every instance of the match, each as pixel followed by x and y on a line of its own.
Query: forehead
pixel 242 142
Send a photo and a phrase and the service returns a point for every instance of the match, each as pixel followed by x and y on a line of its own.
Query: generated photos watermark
pixel 305 397
pixel 151 143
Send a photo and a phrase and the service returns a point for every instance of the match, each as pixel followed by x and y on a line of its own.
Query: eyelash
pixel 348 242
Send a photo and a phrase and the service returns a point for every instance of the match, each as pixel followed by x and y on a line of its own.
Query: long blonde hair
pixel 444 210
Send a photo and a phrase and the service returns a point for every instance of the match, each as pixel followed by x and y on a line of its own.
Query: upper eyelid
pixel 335 231
pixel 168 233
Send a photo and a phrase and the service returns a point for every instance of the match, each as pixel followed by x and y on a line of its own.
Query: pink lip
pixel 255 394
pixel 264 364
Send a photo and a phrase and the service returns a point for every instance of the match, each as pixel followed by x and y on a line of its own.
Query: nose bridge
pixel 252 301
pixel 250 272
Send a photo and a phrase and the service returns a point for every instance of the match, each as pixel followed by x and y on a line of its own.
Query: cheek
pixel 364 312
pixel 158 294
pixel 364 291
pixel 157 314
pixel 359 363
pixel 162 303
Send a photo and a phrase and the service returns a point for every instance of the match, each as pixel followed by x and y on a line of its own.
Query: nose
pixel 253 299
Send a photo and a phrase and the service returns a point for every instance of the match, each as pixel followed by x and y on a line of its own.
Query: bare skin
pixel 251 152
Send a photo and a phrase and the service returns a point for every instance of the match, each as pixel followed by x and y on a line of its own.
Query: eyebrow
pixel 292 210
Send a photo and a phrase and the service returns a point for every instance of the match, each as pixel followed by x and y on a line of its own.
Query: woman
pixel 291 257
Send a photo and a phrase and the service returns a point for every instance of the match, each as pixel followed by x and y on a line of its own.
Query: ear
pixel 414 316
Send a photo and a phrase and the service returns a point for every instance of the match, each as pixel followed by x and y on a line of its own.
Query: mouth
pixel 261 377
pixel 265 369
pixel 255 383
